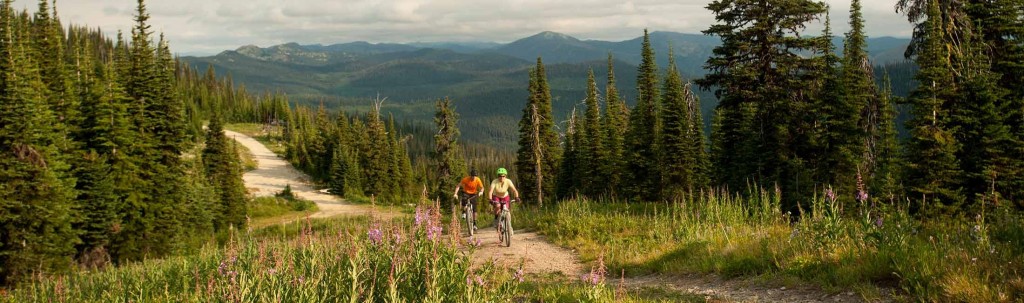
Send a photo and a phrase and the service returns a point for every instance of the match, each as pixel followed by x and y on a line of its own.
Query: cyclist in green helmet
pixel 499 191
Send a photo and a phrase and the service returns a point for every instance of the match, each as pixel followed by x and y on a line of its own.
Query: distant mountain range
pixel 487 81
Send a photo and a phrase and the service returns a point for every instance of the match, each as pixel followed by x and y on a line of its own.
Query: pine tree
pixel 569 174
pixel 932 168
pixel 643 173
pixel 761 81
pixel 677 154
pixel 36 199
pixel 885 176
pixel 449 164
pixel 224 172
pixel 856 120
pixel 980 123
pixel 701 159
pixel 615 123
pixel 591 150
pixel 550 147
pixel 105 134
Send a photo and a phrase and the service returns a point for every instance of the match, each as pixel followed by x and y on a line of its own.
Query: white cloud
pixel 208 27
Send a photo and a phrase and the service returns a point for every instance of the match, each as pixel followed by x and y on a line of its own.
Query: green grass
pixel 347 259
pixel 248 161
pixel 869 250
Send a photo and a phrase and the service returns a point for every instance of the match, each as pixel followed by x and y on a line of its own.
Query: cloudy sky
pixel 206 27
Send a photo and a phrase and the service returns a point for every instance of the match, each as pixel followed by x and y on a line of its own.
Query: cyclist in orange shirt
pixel 468 190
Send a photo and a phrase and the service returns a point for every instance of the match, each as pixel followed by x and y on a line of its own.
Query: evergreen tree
pixel 35 199
pixel 550 147
pixel 761 81
pixel 885 176
pixel 856 119
pixel 449 164
pixel 979 121
pixel 590 149
pixel 677 154
pixel 641 154
pixel 615 123
pixel 377 156
pixel 701 159
pixel 932 168
pixel 570 172
pixel 224 172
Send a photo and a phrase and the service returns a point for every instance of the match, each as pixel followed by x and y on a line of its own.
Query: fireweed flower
pixel 434 232
pixel 479 281
pixel 421 216
pixel 830 195
pixel 375 235
pixel 519 274
pixel 862 196
pixel 878 222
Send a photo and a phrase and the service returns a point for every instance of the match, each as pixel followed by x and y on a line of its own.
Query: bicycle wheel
pixel 468 210
pixel 508 229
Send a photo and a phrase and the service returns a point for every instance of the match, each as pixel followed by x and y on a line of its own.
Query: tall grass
pixel 343 260
pixel 871 249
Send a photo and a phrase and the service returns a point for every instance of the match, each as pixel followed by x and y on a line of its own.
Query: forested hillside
pixel 100 163
pixel 485 84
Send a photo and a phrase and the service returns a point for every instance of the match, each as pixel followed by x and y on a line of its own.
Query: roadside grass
pixel 875 250
pixel 248 160
pixel 268 210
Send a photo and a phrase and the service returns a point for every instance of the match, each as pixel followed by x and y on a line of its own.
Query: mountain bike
pixel 505 223
pixel 469 214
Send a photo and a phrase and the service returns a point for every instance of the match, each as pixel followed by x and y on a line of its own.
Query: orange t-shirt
pixel 471 185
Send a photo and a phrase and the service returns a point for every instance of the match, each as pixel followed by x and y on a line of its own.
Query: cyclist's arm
pixel 456 195
pixel 515 191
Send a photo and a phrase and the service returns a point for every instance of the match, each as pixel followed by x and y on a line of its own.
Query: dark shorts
pixel 467 198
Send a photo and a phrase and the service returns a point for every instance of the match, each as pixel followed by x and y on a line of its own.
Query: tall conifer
pixel 36 199
pixel 641 154
pixel 615 123
pixel 550 147
pixel 591 149
pixel 932 168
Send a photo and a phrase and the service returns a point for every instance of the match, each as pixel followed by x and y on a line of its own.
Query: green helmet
pixel 502 171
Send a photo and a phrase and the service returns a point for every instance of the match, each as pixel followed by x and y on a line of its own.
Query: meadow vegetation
pixel 875 248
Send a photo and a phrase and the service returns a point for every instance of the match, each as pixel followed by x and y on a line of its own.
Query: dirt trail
pixel 274 173
pixel 537 254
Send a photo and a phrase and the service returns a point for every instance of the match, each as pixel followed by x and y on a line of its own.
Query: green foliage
pixel 36 196
pixel 615 122
pixel 537 127
pixel 370 262
pixel 448 161
pixel 266 207
pixel 733 236
pixel 643 177
pixel 224 172
pixel 766 90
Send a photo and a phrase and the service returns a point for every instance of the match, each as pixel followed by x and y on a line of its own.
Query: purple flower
pixel 878 222
pixel 862 195
pixel 830 195
pixel 272 271
pixel 375 235
pixel 519 275
pixel 434 232
pixel 469 281
pixel 222 269
pixel 479 281
pixel 420 216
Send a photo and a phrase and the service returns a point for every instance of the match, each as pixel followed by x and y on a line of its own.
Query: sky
pixel 207 27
